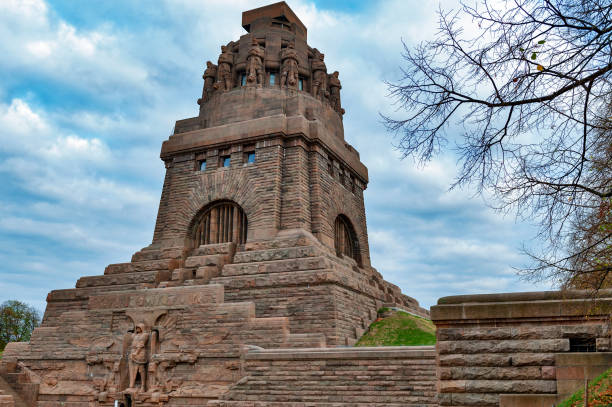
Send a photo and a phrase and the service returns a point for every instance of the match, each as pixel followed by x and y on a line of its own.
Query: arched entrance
pixel 221 222
pixel 345 239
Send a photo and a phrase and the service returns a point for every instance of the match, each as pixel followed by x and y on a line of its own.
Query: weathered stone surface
pixel 514 344
pixel 260 241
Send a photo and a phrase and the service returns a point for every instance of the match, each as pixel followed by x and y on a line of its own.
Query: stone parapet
pixel 494 347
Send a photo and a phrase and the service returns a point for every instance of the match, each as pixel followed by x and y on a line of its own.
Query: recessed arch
pixel 345 239
pixel 220 222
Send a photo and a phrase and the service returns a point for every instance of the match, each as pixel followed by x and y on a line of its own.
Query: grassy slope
pixel 400 329
pixel 600 393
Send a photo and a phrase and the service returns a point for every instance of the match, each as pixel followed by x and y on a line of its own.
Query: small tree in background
pixel 17 321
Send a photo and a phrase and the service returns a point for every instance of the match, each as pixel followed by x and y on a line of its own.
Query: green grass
pixel 400 329
pixel 600 393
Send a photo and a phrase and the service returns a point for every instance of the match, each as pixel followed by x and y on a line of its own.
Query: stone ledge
pixel 390 352
pixel 517 306
pixel 522 296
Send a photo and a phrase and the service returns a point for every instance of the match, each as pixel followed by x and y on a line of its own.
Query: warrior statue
pixel 319 74
pixel 255 66
pixel 224 71
pixel 139 357
pixel 210 75
pixel 289 70
pixel 334 92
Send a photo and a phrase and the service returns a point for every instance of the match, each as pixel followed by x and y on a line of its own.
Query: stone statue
pixel 224 70
pixel 255 65
pixel 139 357
pixel 210 75
pixel 289 67
pixel 319 76
pixel 334 92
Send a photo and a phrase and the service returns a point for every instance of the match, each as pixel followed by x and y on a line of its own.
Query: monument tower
pixel 260 239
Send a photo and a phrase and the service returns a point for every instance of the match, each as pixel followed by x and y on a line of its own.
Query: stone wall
pixel 392 376
pixel 195 354
pixel 506 344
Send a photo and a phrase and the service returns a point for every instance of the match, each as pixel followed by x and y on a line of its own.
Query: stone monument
pixel 260 240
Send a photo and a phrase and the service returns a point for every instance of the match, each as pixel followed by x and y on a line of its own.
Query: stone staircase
pixel 16 388
pixel 393 376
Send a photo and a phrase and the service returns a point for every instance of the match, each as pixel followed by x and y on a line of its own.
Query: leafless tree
pixel 524 94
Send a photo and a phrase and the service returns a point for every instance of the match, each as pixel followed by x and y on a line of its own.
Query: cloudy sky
pixel 89 90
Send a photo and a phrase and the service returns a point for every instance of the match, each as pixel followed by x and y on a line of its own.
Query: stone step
pixel 7 389
pixel 220 248
pixel 157 254
pixel 293 241
pixel 311 340
pixel 206 260
pixel 278 254
pixel 277 266
pixel 125 278
pixel 148 265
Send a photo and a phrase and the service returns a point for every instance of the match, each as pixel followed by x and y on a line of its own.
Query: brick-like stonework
pixel 391 377
pixel 511 344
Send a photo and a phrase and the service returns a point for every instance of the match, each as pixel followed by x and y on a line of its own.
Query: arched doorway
pixel 221 222
pixel 345 239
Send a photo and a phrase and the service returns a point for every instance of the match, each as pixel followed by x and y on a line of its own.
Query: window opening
pixel 301 84
pixel 203 165
pixel 250 157
pixel 582 344
pixel 272 79
pixel 221 223
pixel 243 80
pixel 345 240
pixel 226 161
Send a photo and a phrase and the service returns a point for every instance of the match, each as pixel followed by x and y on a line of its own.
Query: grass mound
pixel 600 393
pixel 399 329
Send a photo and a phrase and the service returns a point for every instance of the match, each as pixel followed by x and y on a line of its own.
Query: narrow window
pixel 251 157
pixel 272 79
pixel 203 165
pixel 243 80
pixel 226 161
pixel 582 344
pixel 301 84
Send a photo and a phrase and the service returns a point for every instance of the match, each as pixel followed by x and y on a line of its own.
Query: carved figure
pixel 289 69
pixel 210 75
pixel 255 66
pixel 334 92
pixel 139 357
pixel 319 76
pixel 224 69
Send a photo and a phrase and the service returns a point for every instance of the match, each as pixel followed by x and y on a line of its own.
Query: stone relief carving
pixel 255 65
pixel 289 67
pixel 319 76
pixel 210 75
pixel 224 69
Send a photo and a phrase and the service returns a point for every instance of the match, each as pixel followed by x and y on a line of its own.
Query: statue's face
pixel 322 57
pixel 209 64
pixel 223 48
pixel 138 330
